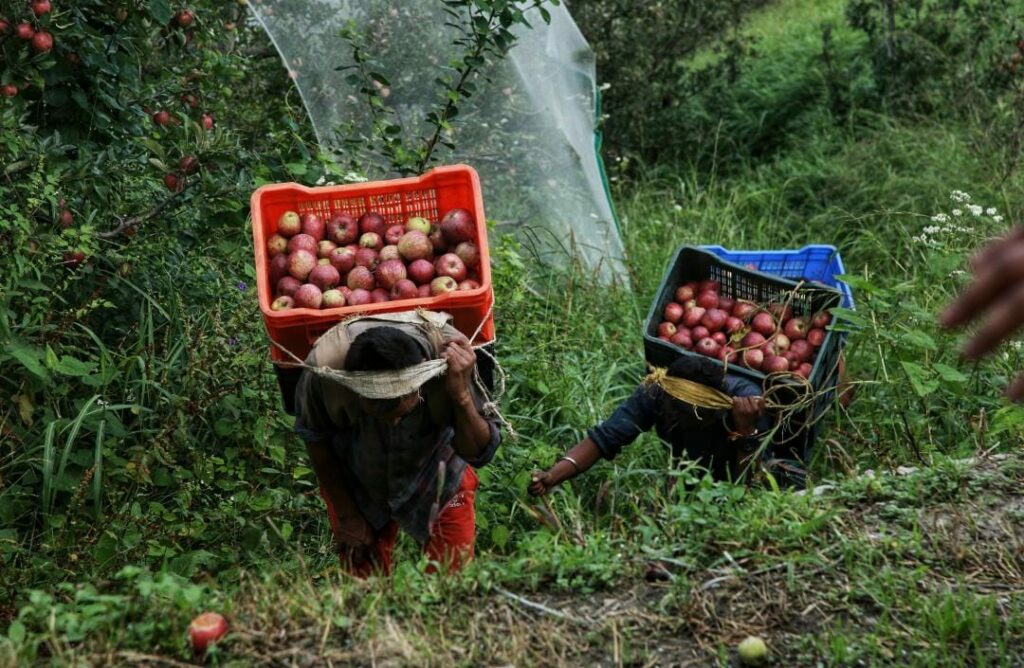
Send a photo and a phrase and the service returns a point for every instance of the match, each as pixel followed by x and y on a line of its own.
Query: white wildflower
pixel 959 196
pixel 997 219
pixel 991 211
pixel 957 273
pixel 677 207
pixel 974 209
pixel 940 218
pixel 605 86
pixel 957 212
pixel 932 229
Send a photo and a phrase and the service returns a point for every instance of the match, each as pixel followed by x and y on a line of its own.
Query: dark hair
pixel 680 417
pixel 383 349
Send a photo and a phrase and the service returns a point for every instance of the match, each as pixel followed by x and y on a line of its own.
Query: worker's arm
pixel 996 294
pixel 312 422
pixel 633 417
pixel 474 436
pixel 352 532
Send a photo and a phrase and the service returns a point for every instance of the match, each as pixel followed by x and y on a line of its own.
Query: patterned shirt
pixel 391 470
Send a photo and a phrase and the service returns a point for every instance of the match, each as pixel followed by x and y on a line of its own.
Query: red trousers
pixel 450 546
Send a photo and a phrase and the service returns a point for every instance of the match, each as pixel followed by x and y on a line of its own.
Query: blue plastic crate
pixel 813 263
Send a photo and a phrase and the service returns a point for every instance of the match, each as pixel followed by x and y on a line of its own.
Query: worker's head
pixel 385 349
pixel 681 416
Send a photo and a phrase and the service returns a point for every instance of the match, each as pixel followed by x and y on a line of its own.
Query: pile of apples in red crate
pixel 349 261
pixel 770 338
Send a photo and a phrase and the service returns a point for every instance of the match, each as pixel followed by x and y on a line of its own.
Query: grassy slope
pixel 920 569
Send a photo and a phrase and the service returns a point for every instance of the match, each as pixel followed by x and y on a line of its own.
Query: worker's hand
pixel 354 539
pixel 997 293
pixel 461 362
pixel 540 483
pixel 745 412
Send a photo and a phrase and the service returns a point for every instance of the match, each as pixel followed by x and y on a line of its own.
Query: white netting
pixel 529 131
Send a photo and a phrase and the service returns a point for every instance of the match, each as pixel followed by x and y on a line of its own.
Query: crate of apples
pixel 767 338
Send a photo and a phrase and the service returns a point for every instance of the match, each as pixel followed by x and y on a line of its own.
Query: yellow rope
pixel 688 391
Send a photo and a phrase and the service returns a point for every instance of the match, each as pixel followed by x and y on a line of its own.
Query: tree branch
pixel 124 224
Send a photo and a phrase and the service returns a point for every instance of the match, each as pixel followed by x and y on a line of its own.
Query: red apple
pixel 333 299
pixel 769 350
pixel 449 264
pixel 42 42
pixel 278 268
pixel 816 337
pixel 763 323
pixel 673 312
pixel 821 320
pixel 207 122
pixel 373 223
pixel 699 332
pixel 367 257
pixel 419 224
pixel 726 304
pixel 343 259
pixel 443 285
pixel 282 303
pixel 692 317
pixel 325 248
pixel 802 349
pixel 371 240
pixel 708 347
pixel 73 258
pixel 276 245
pixel 421 271
pixel 359 297
pixel 752 340
pixel 205 630
pixel 40 7
pixel 389 252
pixel 781 342
pixel 720 338
pixel 188 164
pixel 361 278
pixel 714 319
pixel 437 241
pixel 308 296
pixel 404 289
pixel 300 263
pixel 302 242
pixel 782 312
pixel 469 284
pixel 458 226
pixel 708 284
pixel 753 358
pixel 288 225
pixel 424 291
pixel 792 358
pixel 795 328
pixel 184 18
pixel 468 253
pixel 24 31
pixel 379 296
pixel 8 90
pixel 708 299
pixel 414 245
pixel 804 370
pixel 173 183
pixel 346 292
pixel 390 272
pixel 393 234
pixel 682 340
pixel 685 292
pixel 313 225
pixel 744 310
pixel 324 276
pixel 666 329
pixel 342 229
pixel 733 324
pixel 775 364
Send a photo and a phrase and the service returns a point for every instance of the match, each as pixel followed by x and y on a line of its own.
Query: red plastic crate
pixel 430 196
